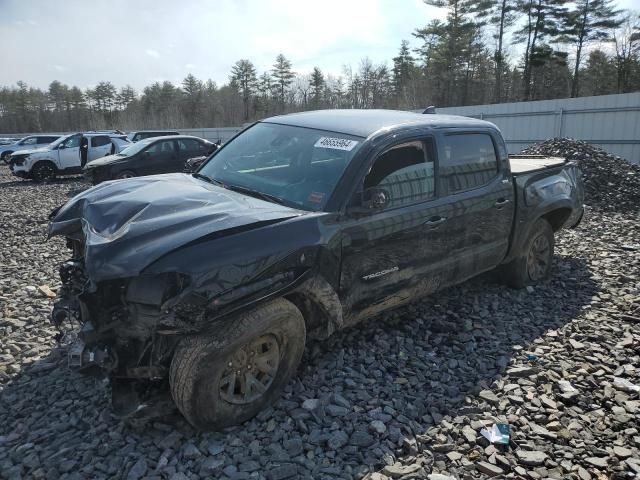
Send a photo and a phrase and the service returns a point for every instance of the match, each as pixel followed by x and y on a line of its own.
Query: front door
pixel 399 251
pixel 161 157
pixel 69 153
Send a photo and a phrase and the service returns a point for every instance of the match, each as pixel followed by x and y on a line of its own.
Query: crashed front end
pixel 118 328
pixel 131 290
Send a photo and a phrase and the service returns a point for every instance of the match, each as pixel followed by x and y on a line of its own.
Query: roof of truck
pixel 363 123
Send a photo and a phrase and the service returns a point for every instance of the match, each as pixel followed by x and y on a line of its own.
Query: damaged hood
pixel 128 224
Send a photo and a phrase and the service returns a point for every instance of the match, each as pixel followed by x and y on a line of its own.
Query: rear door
pixel 478 184
pixel 99 146
pixel 188 148
pixel 400 252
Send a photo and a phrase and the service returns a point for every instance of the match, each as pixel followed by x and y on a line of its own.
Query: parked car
pixel 192 164
pixel 27 143
pixel 301 225
pixel 8 140
pixel 148 157
pixel 144 134
pixel 65 156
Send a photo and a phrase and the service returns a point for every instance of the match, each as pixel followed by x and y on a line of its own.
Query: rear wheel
pixel 227 377
pixel 125 174
pixel 43 172
pixel 534 264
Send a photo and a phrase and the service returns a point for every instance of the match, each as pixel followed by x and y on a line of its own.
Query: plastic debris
pixel 498 433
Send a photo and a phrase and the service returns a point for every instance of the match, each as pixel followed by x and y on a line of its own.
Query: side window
pixel 161 147
pixel 406 172
pixel 190 145
pixel 100 141
pixel 29 141
pixel 44 140
pixel 72 142
pixel 467 161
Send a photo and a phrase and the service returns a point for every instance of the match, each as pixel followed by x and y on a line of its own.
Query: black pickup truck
pixel 299 226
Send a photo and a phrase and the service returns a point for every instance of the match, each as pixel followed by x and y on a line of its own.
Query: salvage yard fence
pixel 611 122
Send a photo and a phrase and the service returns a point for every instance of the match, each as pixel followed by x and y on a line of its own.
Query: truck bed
pixel 529 163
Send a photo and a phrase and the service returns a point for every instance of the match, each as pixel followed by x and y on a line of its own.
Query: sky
pixel 138 42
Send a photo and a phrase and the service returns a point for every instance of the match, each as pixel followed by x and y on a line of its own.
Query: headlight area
pixel 124 332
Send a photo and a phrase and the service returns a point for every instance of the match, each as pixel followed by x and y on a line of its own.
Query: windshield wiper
pixel 255 193
pixel 208 179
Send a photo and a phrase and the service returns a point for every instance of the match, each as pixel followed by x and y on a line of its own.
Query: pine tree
pixel 318 86
pixel 499 14
pixel 588 21
pixel 243 78
pixel 283 75
pixel 543 22
pixel 403 68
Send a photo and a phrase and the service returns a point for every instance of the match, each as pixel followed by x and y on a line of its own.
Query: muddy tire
pixel 227 377
pixel 534 265
pixel 5 157
pixel 43 172
pixel 125 174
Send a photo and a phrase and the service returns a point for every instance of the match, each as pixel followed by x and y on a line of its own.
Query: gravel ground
pixel 400 396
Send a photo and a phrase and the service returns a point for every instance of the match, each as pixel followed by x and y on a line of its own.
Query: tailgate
pixel 530 163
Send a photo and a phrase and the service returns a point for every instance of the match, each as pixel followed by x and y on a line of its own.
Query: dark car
pixel 148 157
pixel 144 134
pixel 298 227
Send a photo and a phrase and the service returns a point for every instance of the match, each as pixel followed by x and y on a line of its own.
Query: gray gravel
pixel 401 396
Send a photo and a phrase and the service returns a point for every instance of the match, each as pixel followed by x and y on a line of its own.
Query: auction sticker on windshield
pixel 335 143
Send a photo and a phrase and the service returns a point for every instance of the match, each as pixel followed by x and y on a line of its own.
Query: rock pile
pixel 611 182
pixel 402 396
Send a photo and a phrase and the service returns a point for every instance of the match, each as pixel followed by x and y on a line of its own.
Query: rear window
pixel 467 161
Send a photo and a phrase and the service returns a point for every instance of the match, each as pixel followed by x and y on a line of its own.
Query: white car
pixel 65 156
pixel 26 143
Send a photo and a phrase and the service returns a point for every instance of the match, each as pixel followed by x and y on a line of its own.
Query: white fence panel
pixel 611 122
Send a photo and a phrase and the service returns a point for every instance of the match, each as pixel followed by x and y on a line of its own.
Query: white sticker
pixel 336 143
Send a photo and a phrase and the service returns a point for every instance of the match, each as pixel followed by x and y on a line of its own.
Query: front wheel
pixel 43 172
pixel 5 157
pixel 534 264
pixel 227 377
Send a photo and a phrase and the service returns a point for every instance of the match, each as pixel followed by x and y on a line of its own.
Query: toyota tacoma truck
pixel 211 283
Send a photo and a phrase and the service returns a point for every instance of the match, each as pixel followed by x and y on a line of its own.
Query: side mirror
pixel 375 198
pixel 371 200
pixel 61 146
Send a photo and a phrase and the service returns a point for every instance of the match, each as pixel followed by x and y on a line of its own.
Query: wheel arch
pixel 320 307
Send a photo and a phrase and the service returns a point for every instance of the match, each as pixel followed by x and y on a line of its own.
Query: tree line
pixel 587 47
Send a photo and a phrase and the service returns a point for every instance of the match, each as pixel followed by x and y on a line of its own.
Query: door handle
pixel 435 221
pixel 501 202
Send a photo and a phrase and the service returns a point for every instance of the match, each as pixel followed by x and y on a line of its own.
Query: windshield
pixel 135 148
pixel 298 165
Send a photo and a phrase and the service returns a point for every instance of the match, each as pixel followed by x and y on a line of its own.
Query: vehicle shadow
pixel 407 369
